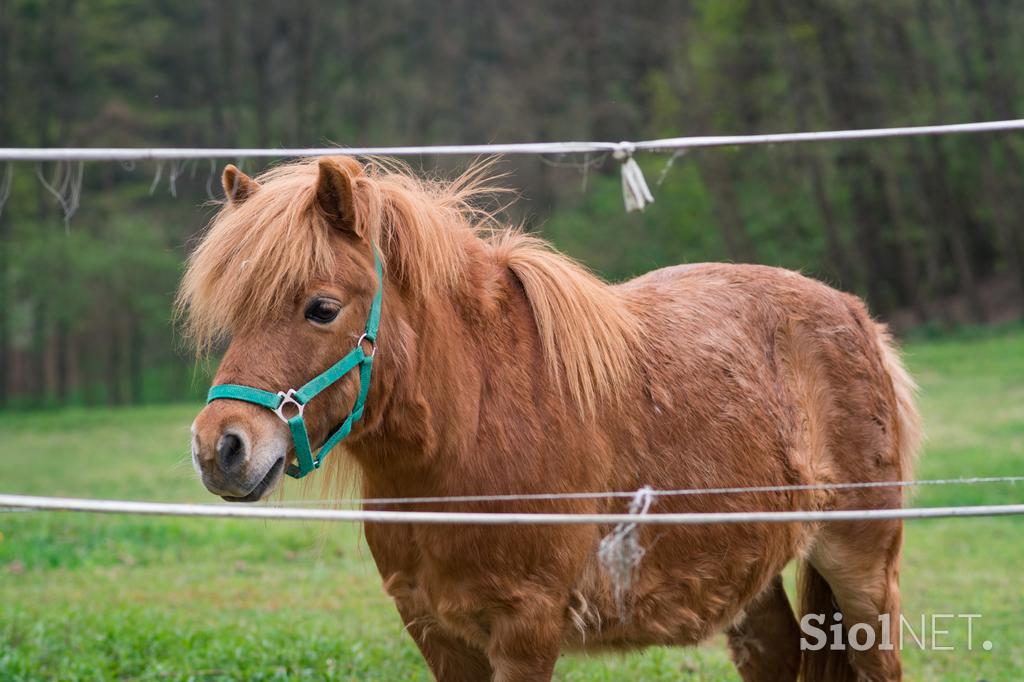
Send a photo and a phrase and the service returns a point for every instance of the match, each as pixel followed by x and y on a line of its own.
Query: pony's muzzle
pixel 239 450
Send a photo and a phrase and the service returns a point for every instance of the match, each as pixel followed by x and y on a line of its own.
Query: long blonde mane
pixel 427 231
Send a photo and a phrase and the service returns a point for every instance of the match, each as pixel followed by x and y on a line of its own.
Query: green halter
pixel 277 402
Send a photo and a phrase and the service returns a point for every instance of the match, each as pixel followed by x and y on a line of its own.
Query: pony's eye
pixel 322 311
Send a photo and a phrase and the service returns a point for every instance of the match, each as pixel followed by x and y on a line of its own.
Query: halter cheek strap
pixel 289 405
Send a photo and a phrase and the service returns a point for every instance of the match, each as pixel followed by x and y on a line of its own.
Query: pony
pixel 503 366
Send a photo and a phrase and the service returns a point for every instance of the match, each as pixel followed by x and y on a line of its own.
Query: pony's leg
pixel 525 644
pixel 449 659
pixel 860 562
pixel 765 643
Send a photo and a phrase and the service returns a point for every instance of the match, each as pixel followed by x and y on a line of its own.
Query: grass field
pixel 90 598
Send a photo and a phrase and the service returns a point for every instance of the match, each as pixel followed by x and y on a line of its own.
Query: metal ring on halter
pixel 288 399
pixel 373 344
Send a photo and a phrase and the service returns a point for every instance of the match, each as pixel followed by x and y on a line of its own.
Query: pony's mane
pixel 587 335
pixel 427 231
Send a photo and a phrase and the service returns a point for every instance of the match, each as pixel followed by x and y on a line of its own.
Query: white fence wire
pixel 27 502
pixel 626 148
pixel 636 193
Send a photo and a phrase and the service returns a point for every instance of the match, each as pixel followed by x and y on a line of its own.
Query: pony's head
pixel 286 271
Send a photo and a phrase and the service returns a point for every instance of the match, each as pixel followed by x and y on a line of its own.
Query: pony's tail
pixel 824 664
pixel 910 434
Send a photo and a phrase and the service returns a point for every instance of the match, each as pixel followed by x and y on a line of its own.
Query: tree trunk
pixel 260 52
pixel 871 211
pixel 226 18
pixel 62 348
pixel 115 395
pixel 89 374
pixel 910 270
pixel 950 210
pixel 304 43
pixel 714 170
pixel 835 253
pixel 135 347
pixel 39 387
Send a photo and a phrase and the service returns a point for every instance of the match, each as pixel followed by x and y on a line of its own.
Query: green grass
pixel 102 597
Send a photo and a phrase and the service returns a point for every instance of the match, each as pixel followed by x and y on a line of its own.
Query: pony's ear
pixel 237 185
pixel 334 195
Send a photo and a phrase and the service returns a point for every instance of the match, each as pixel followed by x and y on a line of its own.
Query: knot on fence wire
pixel 624 150
pixel 620 552
pixel 635 192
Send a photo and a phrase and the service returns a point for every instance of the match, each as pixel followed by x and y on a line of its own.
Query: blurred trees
pixel 912 224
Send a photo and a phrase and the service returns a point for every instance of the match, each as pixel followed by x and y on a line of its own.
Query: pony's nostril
pixel 230 451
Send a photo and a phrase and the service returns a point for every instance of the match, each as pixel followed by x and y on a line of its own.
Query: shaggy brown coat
pixel 504 367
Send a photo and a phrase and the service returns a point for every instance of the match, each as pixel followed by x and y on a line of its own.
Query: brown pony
pixel 505 367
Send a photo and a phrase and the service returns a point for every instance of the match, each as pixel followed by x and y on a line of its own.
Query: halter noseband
pixel 295 400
